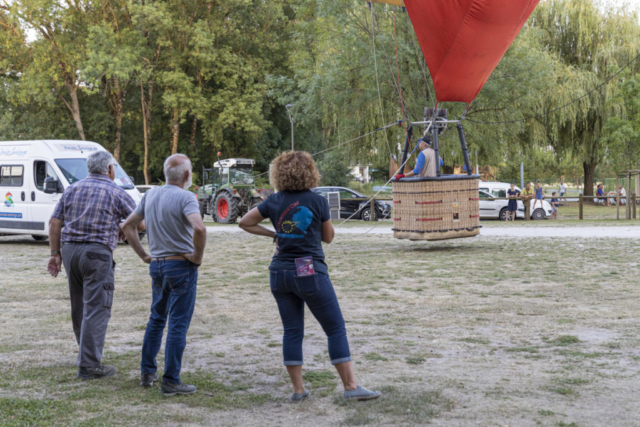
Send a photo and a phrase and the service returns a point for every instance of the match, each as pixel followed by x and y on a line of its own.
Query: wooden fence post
pixel 633 200
pixel 627 200
pixel 527 209
pixel 580 209
pixel 617 205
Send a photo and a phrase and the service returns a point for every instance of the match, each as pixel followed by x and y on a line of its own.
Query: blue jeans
pixel 291 293
pixel 174 284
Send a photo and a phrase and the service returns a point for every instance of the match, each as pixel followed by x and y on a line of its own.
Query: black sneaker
pixel 169 389
pixel 95 373
pixel 147 379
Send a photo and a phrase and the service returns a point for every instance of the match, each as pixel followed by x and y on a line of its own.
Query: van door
pixel 15 215
pixel 42 204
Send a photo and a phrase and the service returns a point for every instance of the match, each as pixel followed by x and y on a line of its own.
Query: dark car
pixel 361 208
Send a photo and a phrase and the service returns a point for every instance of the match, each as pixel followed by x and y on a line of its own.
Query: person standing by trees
pixel 299 274
pixel 512 207
pixel 527 194
pixel 563 188
pixel 87 221
pixel 177 237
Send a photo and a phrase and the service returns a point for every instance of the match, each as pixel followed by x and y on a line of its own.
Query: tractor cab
pixel 228 190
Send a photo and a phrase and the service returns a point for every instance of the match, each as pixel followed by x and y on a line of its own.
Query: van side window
pixel 11 175
pixel 499 193
pixel 42 170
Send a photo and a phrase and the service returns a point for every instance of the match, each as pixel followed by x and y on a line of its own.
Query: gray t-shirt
pixel 165 210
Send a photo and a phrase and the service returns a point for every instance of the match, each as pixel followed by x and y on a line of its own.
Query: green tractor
pixel 228 190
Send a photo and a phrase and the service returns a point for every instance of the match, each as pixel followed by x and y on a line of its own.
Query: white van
pixel 25 204
pixel 499 189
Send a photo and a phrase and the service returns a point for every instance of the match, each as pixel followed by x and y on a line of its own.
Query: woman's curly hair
pixel 294 171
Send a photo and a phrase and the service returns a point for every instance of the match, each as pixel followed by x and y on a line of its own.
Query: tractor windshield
pixel 241 175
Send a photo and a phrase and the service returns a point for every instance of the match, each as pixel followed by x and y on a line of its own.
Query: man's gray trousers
pixel 89 268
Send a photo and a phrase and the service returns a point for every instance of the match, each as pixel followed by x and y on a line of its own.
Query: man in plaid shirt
pixel 87 222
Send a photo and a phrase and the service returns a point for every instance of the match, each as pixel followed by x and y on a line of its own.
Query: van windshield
pixel 76 169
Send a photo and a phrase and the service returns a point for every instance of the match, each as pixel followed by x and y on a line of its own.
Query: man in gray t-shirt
pixel 167 209
pixel 177 237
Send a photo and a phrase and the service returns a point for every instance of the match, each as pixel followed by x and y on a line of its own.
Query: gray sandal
pixel 361 393
pixel 299 397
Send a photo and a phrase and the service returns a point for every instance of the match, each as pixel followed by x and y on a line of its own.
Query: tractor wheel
pixel 226 208
pixel 203 209
pixel 255 202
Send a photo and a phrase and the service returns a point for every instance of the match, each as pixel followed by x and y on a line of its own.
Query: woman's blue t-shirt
pixel 297 217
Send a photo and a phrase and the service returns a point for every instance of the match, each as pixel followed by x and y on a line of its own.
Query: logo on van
pixel 8 200
pixel 76 147
pixel 13 152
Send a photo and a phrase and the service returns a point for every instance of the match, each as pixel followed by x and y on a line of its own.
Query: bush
pixel 334 169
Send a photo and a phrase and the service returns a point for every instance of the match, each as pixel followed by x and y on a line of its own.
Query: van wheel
pixel 503 214
pixel 39 238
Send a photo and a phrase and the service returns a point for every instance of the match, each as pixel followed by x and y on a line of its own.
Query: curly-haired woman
pixel 298 272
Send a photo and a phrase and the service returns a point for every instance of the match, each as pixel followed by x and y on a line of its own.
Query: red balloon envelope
pixel 464 40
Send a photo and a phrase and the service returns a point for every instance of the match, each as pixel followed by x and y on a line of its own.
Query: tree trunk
pixel 194 127
pixel 175 131
pixel 74 108
pixel 589 172
pixel 146 124
pixel 118 96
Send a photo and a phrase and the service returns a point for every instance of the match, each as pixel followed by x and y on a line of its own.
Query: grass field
pixel 484 331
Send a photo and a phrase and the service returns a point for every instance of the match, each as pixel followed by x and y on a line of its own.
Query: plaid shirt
pixel 91 211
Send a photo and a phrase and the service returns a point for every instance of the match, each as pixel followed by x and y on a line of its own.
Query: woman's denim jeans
pixel 291 293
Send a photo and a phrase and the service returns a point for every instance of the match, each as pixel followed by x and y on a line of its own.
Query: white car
pixel 499 189
pixel 492 208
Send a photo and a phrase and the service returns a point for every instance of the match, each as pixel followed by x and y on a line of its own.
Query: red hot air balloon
pixel 464 40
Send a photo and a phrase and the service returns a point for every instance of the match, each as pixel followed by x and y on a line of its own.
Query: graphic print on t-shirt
pixel 294 221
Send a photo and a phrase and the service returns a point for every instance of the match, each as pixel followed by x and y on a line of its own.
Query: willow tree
pixel 590 45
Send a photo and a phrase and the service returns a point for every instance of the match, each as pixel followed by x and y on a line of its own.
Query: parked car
pixel 499 189
pixel 491 208
pixel 144 188
pixel 361 208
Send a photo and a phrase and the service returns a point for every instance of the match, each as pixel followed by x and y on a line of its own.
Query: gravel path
pixel 587 232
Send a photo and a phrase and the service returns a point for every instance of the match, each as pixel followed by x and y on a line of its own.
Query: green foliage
pixel 215 76
pixel 334 169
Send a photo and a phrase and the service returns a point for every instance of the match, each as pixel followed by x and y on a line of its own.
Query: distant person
pixel 600 192
pixel 86 221
pixel 563 188
pixel 527 195
pixel 539 196
pixel 177 238
pixel 555 204
pixel 622 193
pixel 426 163
pixel 298 272
pixel 512 207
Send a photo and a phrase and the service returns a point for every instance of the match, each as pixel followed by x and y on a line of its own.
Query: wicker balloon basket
pixel 438 208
